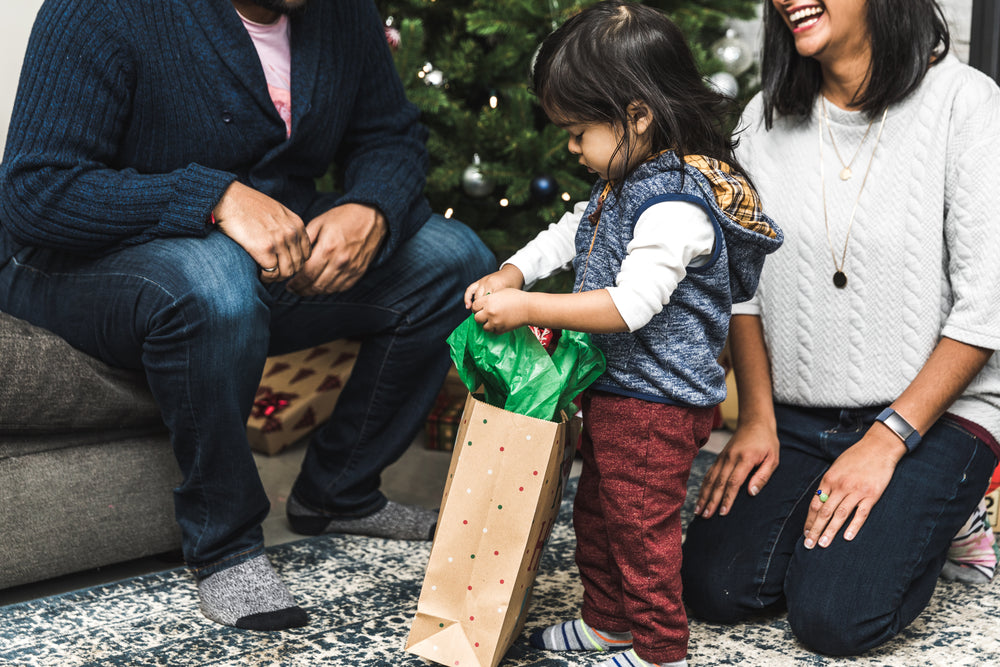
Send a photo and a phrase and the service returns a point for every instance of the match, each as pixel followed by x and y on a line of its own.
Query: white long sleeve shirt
pixel 668 237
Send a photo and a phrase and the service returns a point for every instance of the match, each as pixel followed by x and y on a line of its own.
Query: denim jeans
pixel 193 314
pixel 851 596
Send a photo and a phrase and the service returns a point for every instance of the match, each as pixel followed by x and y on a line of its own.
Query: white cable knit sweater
pixel 923 260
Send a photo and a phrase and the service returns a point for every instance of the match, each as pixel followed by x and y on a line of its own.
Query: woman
pixel 865 364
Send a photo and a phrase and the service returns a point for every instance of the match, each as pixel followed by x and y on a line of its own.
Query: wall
pixel 14 30
pixel 15 27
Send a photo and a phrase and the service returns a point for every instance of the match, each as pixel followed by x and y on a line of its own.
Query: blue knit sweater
pixel 673 357
pixel 133 117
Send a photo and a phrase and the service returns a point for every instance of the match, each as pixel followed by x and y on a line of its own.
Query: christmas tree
pixel 497 164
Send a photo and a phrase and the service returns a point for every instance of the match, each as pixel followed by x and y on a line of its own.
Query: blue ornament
pixel 544 188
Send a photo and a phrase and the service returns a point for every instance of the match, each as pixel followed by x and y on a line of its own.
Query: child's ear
pixel 641 116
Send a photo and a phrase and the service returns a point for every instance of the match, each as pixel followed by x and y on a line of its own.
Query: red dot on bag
pixel 465 521
pixel 472 618
pixel 470 588
pixel 521 488
pixel 477 644
pixel 496 553
pixel 535 473
pixel 501 581
pixel 501 449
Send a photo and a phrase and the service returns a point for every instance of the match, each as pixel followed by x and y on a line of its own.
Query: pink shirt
pixel 274 48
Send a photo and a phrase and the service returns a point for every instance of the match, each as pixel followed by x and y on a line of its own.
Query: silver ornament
pixel 474 182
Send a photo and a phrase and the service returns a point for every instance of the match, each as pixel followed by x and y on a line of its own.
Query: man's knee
pixel 456 250
pixel 215 291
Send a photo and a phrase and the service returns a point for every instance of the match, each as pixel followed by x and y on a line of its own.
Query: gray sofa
pixel 86 467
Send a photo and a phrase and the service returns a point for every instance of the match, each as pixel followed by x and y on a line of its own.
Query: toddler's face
pixel 595 143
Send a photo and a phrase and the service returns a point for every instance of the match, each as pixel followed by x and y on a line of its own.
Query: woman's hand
pixel 752 446
pixel 509 276
pixel 853 484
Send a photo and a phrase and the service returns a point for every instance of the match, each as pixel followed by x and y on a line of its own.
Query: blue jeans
pixel 192 314
pixel 851 596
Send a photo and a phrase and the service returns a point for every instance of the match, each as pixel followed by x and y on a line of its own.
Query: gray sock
pixel 394 521
pixel 963 573
pixel 251 596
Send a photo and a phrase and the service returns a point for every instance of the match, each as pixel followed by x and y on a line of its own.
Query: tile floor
pixel 417 478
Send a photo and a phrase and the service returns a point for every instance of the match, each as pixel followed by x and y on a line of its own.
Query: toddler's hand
pixel 508 276
pixel 500 311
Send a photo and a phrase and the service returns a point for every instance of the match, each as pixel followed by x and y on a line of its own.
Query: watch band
pixel 902 428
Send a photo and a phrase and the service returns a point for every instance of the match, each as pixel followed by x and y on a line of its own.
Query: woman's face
pixel 826 30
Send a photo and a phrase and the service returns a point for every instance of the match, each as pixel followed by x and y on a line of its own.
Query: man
pixel 158 211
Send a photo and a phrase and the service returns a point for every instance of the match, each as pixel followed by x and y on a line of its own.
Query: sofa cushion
pixel 47 386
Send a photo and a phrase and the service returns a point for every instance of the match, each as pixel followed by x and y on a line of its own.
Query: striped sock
pixel 630 659
pixel 578 636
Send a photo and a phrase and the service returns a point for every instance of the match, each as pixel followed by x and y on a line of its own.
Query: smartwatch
pixel 902 428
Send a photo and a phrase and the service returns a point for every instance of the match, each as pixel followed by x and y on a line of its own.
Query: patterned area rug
pixel 362 593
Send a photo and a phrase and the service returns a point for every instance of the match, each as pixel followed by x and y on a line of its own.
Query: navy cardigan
pixel 133 117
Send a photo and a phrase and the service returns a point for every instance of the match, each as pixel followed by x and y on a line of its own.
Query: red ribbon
pixel 270 403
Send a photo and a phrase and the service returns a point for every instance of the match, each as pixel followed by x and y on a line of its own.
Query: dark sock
pixel 251 596
pixel 394 521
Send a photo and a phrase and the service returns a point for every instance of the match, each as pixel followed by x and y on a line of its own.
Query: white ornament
pixel 725 83
pixel 733 52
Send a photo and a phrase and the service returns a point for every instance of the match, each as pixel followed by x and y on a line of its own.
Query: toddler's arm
pixel 591 312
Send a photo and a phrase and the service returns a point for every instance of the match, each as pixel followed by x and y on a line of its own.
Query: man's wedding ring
pixel 271 270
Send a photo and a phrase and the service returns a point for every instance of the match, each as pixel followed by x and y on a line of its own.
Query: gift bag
pixel 297 393
pixel 502 496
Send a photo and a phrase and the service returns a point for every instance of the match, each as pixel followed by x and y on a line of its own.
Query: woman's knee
pixel 831 617
pixel 714 590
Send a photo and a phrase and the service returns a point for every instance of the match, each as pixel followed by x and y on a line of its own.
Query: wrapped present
pixel 297 393
pixel 441 426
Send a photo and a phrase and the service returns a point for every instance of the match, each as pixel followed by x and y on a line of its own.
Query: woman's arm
pixel 859 476
pixel 755 442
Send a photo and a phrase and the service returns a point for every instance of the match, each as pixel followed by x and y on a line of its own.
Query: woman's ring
pixel 822 496
pixel 271 270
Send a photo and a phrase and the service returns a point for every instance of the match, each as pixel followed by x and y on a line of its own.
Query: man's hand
pixel 270 233
pixel 344 240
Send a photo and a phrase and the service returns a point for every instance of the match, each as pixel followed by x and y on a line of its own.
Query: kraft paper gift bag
pixel 502 496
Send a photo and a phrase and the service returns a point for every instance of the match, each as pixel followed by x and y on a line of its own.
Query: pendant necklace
pixel 839 277
pixel 845 173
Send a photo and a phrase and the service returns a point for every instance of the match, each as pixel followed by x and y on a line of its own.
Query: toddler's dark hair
pixel 615 53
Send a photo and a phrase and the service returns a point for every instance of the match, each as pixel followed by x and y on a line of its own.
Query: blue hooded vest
pixel 674 357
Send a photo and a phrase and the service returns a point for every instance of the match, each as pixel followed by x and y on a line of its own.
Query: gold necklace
pixel 845 173
pixel 839 277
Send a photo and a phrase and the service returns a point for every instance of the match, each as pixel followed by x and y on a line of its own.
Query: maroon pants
pixel 637 456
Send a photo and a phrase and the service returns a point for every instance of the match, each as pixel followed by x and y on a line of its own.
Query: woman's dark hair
pixel 907 36
pixel 614 53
